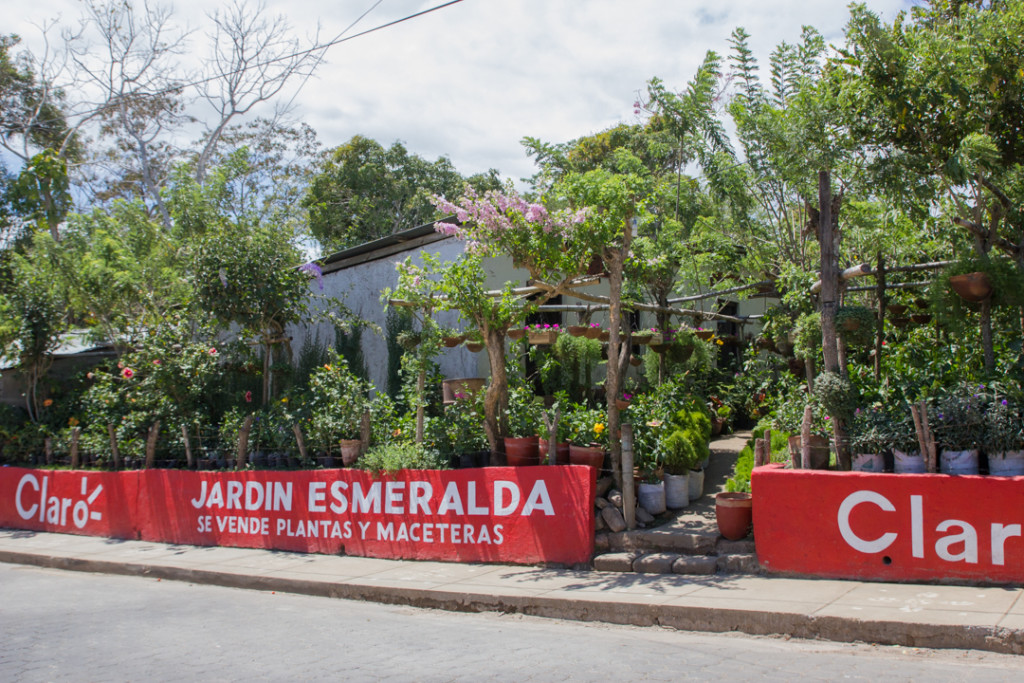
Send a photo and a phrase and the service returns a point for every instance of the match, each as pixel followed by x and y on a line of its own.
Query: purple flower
pixel 1003 402
pixel 313 269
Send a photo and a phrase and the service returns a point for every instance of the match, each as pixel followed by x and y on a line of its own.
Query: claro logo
pixel 960 535
pixel 32 501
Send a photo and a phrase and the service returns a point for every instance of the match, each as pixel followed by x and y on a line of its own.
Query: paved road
pixel 57 626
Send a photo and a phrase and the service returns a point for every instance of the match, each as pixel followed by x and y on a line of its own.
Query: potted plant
pixel 587 434
pixel 464 437
pixel 545 333
pixel 553 418
pixel 523 416
pixel 401 455
pixel 337 401
pixel 956 419
pixel 1004 436
pixel 686 446
pixel 856 324
pixel 870 434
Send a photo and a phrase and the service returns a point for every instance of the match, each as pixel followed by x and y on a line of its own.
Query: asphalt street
pixel 70 626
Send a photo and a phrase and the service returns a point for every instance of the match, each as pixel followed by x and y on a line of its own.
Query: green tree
pixel 362 191
pixel 939 95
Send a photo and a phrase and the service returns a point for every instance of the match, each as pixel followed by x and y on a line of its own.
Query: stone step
pixel 658 540
pixel 676 563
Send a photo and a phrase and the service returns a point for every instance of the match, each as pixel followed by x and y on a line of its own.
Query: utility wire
pixel 316 48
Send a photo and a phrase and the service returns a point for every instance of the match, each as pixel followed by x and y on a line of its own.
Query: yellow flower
pixel 284 400
pixel 598 428
pixel 719 342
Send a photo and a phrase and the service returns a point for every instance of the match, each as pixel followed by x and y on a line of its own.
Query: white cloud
pixel 471 80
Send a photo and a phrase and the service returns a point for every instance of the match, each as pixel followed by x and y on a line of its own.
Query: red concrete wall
pixel 501 514
pixel 895 527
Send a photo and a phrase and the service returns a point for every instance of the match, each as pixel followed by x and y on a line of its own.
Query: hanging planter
pixel 974 287
pixel 705 335
pixel 475 346
pixel 642 337
pixel 921 318
pixel 453 389
pixel 540 337
pixel 659 348
pixel 896 309
pixel 900 322
pixel 577 330
pixel 516 333
pixel 452 341
pixel 636 361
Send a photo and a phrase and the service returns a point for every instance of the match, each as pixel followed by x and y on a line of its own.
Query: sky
pixel 469 81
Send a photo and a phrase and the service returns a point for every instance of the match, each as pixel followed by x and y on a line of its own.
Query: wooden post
pixel 880 323
pixel 364 432
pixel 48 449
pixel 300 441
pixel 552 426
pixel 188 445
pixel 75 433
pixel 758 452
pixel 930 456
pixel 114 452
pixel 154 432
pixel 628 491
pixel 243 443
pixel 805 438
pixel 767 446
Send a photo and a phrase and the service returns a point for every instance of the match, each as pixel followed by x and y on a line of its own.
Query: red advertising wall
pixel 497 514
pixel 889 526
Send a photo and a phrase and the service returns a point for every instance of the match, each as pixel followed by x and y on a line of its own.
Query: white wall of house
pixel 360 286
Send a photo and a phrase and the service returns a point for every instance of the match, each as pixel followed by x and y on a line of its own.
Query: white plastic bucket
pixel 676 491
pixel 907 463
pixel 696 480
pixel 1008 464
pixel 652 497
pixel 958 462
pixel 868 462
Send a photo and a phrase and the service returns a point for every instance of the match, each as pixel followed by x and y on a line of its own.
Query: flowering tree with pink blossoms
pixel 553 246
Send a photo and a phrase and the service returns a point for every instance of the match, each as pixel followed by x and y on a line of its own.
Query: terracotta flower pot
pixel 586 455
pixel 561 452
pixel 521 451
pixel 971 286
pixel 734 512
pixel 351 449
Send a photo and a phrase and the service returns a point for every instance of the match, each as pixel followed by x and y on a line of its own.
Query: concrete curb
pixel 688 618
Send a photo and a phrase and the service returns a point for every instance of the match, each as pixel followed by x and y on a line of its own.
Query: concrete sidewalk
pixel 896 614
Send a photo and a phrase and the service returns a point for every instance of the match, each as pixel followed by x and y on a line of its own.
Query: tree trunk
pixel 114 452
pixel 986 335
pixel 880 323
pixel 188 445
pixel 496 397
pixel 154 432
pixel 421 387
pixel 830 302
pixel 613 381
